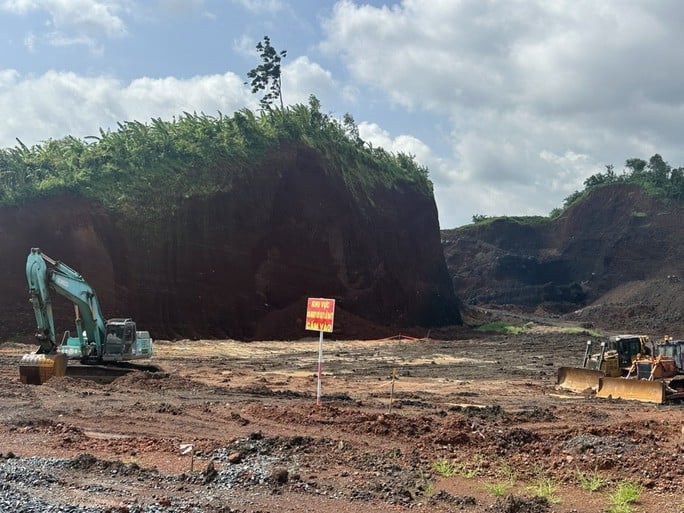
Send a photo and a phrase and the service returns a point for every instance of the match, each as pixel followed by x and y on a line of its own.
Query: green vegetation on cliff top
pixel 656 177
pixel 196 155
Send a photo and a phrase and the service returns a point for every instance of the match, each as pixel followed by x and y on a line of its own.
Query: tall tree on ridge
pixel 266 76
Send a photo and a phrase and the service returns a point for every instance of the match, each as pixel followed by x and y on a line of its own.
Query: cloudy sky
pixel 511 104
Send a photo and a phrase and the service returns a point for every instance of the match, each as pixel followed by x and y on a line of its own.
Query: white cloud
pixel 245 45
pixel 19 6
pixel 408 144
pixel 8 78
pixel 73 21
pixel 261 6
pixel 30 41
pixel 86 16
pixel 539 94
pixel 55 104
pixel 302 77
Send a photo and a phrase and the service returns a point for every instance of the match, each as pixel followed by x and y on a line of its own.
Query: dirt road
pixel 476 424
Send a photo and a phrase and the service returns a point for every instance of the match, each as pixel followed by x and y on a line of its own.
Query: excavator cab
pixel 120 339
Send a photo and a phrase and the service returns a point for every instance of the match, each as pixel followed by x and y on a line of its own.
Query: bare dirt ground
pixel 483 408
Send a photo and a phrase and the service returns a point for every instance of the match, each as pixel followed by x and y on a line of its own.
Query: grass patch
pixel 508 473
pixel 498 489
pixel 428 489
pixel 545 487
pixel 467 471
pixel 623 497
pixel 503 327
pixel 508 477
pixel 591 482
pixel 471 469
pixel 484 220
pixel 582 331
pixel 444 468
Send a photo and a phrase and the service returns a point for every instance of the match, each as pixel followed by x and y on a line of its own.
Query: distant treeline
pixel 196 154
pixel 656 177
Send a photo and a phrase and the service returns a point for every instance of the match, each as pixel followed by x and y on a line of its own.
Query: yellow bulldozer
pixel 629 367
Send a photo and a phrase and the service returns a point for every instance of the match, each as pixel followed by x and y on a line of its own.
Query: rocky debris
pixel 515 439
pixel 598 445
pixel 169 408
pixel 460 501
pixel 515 504
pixel 209 473
pixel 535 414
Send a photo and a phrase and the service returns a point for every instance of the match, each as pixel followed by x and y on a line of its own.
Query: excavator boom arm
pixel 44 273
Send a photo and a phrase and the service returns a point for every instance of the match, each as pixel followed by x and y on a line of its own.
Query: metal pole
pixel 394 377
pixel 320 367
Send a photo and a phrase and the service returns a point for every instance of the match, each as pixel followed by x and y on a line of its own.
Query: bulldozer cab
pixel 628 347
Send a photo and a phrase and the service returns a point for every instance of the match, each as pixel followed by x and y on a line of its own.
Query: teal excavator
pixel 96 341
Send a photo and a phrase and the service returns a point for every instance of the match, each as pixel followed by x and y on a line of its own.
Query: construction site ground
pixel 476 424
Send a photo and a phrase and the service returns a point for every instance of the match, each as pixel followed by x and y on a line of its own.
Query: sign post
pixel 320 314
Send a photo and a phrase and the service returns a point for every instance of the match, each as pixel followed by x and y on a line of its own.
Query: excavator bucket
pixel 633 389
pixel 36 369
pixel 579 380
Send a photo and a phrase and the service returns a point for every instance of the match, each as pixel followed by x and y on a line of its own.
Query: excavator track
pixel 106 373
pixel 36 369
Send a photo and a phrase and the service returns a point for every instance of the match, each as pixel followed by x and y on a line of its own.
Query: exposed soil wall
pixel 617 235
pixel 242 263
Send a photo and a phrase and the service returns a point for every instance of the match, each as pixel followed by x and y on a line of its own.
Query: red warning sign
pixel 320 313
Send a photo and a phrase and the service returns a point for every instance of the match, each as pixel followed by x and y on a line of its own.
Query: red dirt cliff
pixel 241 264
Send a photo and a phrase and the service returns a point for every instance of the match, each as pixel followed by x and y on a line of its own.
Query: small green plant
pixel 466 471
pixel 498 489
pixel 444 468
pixel 471 469
pixel 428 489
pixel 582 331
pixel 592 482
pixel 508 473
pixel 502 327
pixel 545 487
pixel 624 495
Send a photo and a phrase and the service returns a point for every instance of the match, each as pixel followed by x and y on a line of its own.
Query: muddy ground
pixel 476 425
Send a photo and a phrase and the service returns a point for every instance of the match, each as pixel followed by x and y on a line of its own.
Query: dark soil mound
pixel 615 259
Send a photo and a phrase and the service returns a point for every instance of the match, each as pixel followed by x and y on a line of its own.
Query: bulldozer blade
pixel 577 379
pixel 632 389
pixel 36 369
